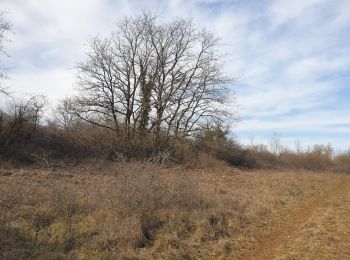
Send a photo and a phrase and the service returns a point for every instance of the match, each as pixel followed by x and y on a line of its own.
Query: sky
pixel 290 59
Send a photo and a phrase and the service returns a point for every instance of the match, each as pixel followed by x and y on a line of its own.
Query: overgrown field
pixel 141 211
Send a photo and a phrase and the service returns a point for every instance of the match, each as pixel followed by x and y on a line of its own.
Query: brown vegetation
pixel 138 210
pixel 25 140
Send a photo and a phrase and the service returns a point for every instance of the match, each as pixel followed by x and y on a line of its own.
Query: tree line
pixel 150 90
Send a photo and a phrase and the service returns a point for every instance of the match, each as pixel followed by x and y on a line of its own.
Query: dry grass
pixel 133 210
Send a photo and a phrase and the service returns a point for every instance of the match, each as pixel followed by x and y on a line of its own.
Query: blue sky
pixel 291 59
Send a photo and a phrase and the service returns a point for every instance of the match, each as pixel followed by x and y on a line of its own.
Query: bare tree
pixel 275 144
pixel 63 115
pixel 37 105
pixel 146 77
pixel 4 29
pixel 298 146
pixel 189 85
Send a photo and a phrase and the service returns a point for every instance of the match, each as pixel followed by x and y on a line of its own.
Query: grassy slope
pixel 139 211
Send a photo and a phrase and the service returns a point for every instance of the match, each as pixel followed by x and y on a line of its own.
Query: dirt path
pixel 318 229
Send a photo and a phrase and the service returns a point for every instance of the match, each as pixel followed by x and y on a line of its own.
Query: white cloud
pixel 54 84
pixel 283 10
pixel 309 68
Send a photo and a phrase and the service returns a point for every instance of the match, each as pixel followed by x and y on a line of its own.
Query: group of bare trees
pixel 147 83
pixel 149 78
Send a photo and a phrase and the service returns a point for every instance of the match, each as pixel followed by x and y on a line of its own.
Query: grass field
pixel 140 211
